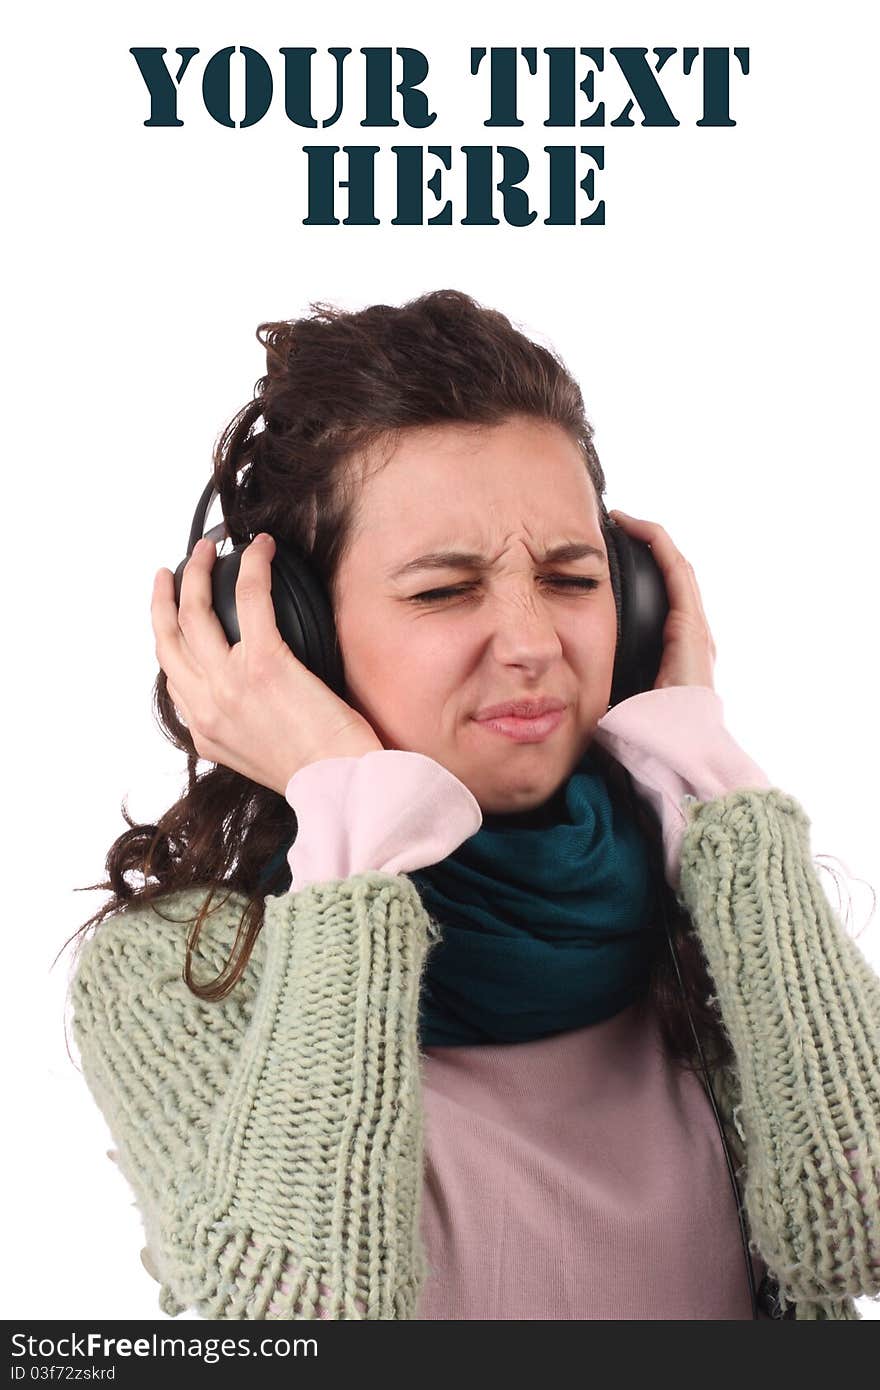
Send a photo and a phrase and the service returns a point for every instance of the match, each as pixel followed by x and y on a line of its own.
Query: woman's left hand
pixel 688 648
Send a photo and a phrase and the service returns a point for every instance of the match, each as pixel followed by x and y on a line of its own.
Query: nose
pixel 522 629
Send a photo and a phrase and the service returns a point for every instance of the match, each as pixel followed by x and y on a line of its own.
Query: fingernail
pixel 262 539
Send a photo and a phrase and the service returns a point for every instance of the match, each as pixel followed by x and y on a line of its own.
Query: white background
pixel 722 326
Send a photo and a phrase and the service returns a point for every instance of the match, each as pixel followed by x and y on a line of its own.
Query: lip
pixel 521 709
pixel 525 730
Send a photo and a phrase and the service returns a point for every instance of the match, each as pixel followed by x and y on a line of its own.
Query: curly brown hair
pixel 336 383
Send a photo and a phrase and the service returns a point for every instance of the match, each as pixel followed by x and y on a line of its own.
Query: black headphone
pixel 304 618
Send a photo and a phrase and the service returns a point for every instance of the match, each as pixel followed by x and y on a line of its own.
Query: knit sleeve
pixel 801 1006
pixel 273 1139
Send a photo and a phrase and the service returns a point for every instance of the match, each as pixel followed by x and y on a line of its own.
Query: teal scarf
pixel 546 920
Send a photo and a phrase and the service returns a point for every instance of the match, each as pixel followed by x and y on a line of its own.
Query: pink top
pixel 588 1150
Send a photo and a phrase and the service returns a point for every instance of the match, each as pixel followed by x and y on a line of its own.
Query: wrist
pixel 352 745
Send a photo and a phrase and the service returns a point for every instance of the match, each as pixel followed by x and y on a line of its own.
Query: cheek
pixel 609 631
pixel 368 648
pixel 392 665
pixel 593 634
pixel 380 640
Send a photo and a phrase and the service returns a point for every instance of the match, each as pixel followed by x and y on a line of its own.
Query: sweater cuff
pixel 388 810
pixel 675 746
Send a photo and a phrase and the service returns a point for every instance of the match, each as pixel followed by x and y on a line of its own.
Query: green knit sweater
pixel 274 1140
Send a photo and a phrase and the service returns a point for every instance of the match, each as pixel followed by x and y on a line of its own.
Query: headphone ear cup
pixel 303 611
pixel 304 616
pixel 642 609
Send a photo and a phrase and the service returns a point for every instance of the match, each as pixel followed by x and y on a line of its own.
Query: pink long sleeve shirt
pixel 580 1176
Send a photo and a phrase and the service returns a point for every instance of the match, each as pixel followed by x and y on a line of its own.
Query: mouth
pixel 524 730
pixel 522 709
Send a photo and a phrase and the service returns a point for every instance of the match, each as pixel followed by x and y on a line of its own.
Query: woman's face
pixel 421 670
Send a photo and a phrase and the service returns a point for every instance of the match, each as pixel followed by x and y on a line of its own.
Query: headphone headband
pixel 216 533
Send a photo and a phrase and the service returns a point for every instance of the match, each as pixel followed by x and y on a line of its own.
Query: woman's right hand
pixel 253 707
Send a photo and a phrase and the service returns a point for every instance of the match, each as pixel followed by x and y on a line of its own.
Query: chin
pixel 524 795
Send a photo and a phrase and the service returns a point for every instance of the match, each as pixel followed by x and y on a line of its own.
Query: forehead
pixel 460 482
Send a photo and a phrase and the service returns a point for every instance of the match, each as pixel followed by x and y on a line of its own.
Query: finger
pixel 682 588
pixel 179 707
pixel 253 600
pixel 202 631
pixel 171 652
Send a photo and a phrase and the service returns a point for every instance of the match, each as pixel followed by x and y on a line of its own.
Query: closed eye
pixel 433 595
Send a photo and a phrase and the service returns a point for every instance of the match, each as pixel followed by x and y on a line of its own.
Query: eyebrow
pixel 464 559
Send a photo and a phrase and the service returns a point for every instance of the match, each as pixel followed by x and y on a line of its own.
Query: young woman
pixel 390 1028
